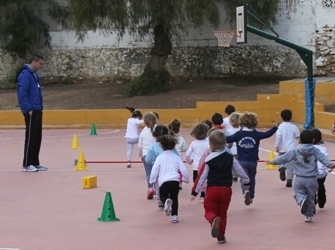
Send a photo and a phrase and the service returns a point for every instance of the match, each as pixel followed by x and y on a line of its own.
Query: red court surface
pixel 51 211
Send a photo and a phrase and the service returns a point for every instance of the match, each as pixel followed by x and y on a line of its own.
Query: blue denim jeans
pixel 250 167
pixel 147 168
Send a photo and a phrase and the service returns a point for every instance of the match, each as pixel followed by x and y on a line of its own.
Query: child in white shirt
pixel 146 140
pixel 235 126
pixel 181 145
pixel 286 140
pixel 197 148
pixel 228 111
pixel 132 132
pixel 166 168
pixel 323 172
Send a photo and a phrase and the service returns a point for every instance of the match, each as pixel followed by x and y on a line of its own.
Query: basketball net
pixel 224 37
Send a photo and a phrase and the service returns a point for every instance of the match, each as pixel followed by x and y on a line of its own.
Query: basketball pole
pixel 305 54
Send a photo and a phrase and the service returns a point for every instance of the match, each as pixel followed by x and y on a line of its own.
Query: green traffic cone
pixel 93 130
pixel 108 213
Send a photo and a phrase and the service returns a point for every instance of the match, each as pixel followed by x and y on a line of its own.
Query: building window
pixel 329 3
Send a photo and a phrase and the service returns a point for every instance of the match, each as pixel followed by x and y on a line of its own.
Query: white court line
pixel 88 139
pixel 50 136
pixel 1 248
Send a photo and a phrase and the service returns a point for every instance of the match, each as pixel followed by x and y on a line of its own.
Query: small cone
pixel 270 166
pixel 108 213
pixel 81 163
pixel 93 130
pixel 75 142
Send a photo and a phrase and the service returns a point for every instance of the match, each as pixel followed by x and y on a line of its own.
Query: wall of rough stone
pixel 325 38
pixel 184 61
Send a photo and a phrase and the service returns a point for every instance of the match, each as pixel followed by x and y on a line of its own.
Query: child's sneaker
pixel 202 199
pixel 247 200
pixel 168 207
pixel 150 194
pixel 30 168
pixel 282 174
pixel 304 206
pixel 174 219
pixel 308 218
pixel 160 206
pixel 128 165
pixel 221 240
pixel 215 228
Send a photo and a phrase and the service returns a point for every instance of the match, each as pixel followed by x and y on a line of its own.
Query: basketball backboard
pixel 241 23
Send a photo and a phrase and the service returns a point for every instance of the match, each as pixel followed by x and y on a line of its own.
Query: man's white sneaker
pixel 308 218
pixel 168 207
pixel 174 219
pixel 202 199
pixel 30 168
pixel 41 168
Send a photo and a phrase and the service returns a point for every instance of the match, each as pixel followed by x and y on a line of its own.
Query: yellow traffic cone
pixel 271 166
pixel 81 164
pixel 75 142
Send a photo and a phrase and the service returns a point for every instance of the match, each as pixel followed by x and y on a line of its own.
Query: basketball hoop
pixel 224 37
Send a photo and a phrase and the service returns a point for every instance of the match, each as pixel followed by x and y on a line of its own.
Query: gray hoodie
pixel 305 158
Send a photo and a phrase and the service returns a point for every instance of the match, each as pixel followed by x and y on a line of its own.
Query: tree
pixel 165 21
pixel 22 29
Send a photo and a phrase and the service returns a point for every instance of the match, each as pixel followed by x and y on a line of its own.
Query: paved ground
pixel 51 211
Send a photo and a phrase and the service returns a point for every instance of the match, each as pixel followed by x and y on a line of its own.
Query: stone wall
pixel 184 61
pixel 325 50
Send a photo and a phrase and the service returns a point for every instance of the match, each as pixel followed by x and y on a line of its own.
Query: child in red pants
pixel 220 165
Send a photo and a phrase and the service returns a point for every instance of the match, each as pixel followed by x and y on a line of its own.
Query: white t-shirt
pixel 181 146
pixel 286 137
pixel 145 141
pixel 226 123
pixel 195 151
pixel 132 127
pixel 232 131
pixel 322 168
pixel 166 168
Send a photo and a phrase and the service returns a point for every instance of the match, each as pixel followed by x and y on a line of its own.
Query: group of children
pixel 222 151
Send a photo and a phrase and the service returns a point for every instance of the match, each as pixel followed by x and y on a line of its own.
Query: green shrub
pixel 148 83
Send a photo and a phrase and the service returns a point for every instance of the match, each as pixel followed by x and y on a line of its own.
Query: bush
pixel 148 83
pixel 9 81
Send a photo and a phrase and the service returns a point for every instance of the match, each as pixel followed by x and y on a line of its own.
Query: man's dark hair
pixel 35 58
pixel 306 137
pixel 286 115
pixel 229 109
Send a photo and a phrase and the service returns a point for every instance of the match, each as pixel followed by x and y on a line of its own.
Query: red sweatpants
pixel 216 204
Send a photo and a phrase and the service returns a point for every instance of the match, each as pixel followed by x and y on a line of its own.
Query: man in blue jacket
pixel 31 104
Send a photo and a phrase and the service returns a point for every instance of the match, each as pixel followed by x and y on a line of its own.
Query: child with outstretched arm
pixel 305 158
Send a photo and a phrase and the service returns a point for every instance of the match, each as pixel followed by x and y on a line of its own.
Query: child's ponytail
pixel 135 113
